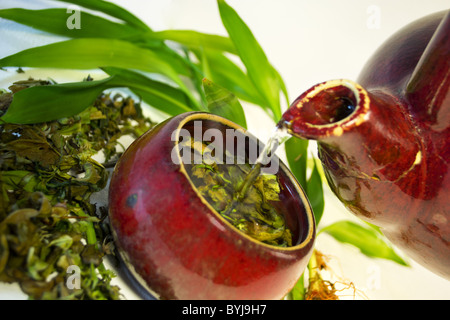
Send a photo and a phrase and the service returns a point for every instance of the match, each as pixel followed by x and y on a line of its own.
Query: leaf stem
pixel 314 275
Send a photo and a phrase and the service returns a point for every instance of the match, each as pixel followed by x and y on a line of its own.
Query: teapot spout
pixel 361 135
pixel 327 109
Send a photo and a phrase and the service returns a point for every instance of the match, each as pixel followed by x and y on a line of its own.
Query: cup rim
pixel 299 190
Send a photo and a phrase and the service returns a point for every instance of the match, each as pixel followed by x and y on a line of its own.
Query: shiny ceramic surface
pixel 384 140
pixel 179 245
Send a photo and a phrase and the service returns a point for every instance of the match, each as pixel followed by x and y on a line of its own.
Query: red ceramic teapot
pixel 384 141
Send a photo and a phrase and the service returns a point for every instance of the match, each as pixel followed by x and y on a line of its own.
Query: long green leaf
pixel 194 39
pixel 214 47
pixel 314 190
pixel 366 239
pixel 282 86
pixel 55 21
pixel 45 103
pixel 112 10
pixel 159 95
pixel 92 53
pixel 89 53
pixel 297 156
pixel 222 102
pixel 260 71
pixel 299 290
pixel 227 74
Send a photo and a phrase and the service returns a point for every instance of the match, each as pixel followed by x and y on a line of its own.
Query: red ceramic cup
pixel 178 244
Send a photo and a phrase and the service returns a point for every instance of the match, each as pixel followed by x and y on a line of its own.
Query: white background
pixel 308 42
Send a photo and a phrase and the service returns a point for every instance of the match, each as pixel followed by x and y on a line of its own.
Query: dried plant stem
pixel 318 289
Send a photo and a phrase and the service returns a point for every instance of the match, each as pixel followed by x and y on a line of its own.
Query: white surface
pixel 308 42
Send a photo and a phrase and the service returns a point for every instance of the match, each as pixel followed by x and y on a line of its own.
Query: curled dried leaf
pixel 47 176
pixel 254 214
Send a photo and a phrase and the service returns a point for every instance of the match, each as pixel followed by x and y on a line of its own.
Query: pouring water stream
pixel 278 137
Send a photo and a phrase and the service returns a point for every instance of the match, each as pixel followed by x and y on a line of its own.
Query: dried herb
pixel 255 214
pixel 48 225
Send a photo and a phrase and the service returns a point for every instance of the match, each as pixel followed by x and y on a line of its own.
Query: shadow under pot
pixel 170 212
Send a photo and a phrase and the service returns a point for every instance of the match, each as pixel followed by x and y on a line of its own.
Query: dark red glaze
pixel 387 160
pixel 179 245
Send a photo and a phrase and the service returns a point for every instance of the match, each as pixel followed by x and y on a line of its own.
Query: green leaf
pixel 64 242
pixel 282 86
pixel 14 178
pixel 222 102
pixel 89 53
pixel 157 94
pixel 228 75
pixel 371 243
pixel 260 71
pixel 195 40
pixel 55 20
pixel 45 103
pixel 314 190
pixel 110 9
pixel 299 290
pixel 88 227
pixel 92 53
pixel 297 156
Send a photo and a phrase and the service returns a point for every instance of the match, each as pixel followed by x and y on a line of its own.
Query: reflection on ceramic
pixel 384 141
pixel 179 245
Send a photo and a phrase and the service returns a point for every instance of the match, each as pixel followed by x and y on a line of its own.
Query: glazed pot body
pixel 386 156
pixel 179 245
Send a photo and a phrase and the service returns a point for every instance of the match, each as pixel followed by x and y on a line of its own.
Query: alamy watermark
pixel 74 20
pixel 73 281
pixel 374 17
pixel 229 146
pixel 373 277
